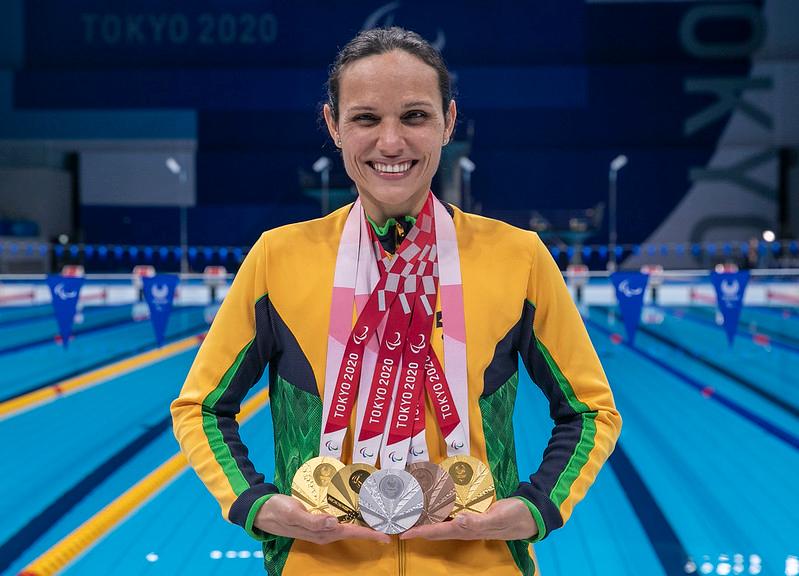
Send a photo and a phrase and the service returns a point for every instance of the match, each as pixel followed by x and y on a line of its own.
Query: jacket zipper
pixel 400 557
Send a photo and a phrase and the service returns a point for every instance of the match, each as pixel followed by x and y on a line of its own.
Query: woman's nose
pixel 390 140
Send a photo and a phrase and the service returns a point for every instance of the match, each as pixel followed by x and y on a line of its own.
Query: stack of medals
pixel 390 344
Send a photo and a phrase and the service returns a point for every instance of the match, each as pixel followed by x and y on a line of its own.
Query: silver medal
pixel 391 501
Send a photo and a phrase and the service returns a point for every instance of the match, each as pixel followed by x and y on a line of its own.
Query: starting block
pixel 73 271
pixel 141 271
pixel 655 273
pixel 577 277
pixel 726 267
pixel 577 274
pixel 215 277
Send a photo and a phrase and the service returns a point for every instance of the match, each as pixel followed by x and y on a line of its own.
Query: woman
pixel 390 111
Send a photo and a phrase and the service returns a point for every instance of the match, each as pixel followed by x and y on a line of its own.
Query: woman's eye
pixel 415 116
pixel 365 119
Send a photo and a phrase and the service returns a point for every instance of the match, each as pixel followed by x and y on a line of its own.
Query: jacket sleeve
pixel 561 360
pixel 230 361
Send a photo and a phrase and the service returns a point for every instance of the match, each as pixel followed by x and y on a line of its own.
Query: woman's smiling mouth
pixel 394 170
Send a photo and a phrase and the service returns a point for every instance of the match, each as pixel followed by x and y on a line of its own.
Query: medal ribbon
pixel 347 383
pixel 450 405
pixel 381 388
pixel 407 399
pixel 371 426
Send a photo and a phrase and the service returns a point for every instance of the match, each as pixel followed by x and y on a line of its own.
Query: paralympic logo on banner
pixel 65 292
pixel 730 288
pixel 159 292
pixel 630 290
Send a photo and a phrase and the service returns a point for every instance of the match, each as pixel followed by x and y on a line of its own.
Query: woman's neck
pixel 380 214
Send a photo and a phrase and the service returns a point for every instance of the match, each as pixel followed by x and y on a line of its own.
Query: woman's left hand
pixel 507 519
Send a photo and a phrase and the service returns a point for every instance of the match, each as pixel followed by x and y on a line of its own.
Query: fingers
pixel 361 533
pixel 454 530
pixel 465 526
pixel 316 522
pixel 340 532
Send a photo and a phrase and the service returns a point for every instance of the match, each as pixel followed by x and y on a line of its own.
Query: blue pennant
pixel 630 291
pixel 159 292
pixel 65 292
pixel 730 288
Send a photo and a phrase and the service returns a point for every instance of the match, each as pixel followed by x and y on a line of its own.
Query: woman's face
pixel 391 129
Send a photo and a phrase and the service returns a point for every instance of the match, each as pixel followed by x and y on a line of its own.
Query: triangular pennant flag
pixel 65 291
pixel 159 291
pixel 630 290
pixel 730 288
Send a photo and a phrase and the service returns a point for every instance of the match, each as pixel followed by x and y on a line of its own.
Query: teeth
pixel 392 168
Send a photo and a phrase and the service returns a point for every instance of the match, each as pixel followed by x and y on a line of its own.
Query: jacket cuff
pixel 539 521
pixel 546 515
pixel 245 508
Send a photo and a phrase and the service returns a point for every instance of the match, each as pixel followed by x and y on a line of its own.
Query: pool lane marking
pixel 747 414
pixel 195 330
pixel 661 534
pixel 36 398
pixel 80 331
pixel 30 533
pixel 779 297
pixel 80 540
pixel 775 338
pixel 737 378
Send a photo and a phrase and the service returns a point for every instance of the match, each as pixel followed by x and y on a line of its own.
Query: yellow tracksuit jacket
pixel 277 313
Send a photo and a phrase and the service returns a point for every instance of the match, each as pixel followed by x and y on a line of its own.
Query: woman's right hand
pixel 282 515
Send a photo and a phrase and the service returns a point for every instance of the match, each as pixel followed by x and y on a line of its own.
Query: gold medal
pixel 343 493
pixel 311 481
pixel 474 486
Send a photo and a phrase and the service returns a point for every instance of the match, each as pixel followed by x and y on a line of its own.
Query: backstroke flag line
pixel 159 292
pixel 730 288
pixel 630 290
pixel 65 292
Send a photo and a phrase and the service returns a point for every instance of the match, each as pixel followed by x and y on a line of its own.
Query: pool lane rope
pixel 80 540
pixel 38 397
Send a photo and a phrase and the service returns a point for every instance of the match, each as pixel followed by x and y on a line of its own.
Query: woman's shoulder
pixel 474 227
pixel 316 232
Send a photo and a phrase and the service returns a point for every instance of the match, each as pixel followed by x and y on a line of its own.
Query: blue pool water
pixel 704 476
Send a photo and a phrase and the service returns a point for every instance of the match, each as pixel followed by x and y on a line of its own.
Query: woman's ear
pixel 332 126
pixel 449 124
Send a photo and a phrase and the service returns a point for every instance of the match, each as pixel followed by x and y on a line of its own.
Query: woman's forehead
pixel 396 77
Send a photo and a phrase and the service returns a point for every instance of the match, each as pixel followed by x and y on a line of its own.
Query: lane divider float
pixel 98 526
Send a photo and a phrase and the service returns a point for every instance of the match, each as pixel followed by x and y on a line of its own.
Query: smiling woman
pixel 445 305
pixel 389 116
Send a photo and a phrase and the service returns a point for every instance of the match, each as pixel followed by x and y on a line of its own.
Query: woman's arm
pixel 561 360
pixel 230 361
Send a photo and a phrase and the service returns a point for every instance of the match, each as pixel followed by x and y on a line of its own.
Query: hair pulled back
pixel 380 41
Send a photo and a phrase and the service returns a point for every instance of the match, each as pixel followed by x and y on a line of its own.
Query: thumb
pixel 471 522
pixel 320 522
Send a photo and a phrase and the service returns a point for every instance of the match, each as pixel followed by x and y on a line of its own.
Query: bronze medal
pixel 343 493
pixel 438 489
pixel 474 486
pixel 311 481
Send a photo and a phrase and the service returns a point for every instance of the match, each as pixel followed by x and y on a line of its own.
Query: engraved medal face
pixel 391 501
pixel 474 486
pixel 343 493
pixel 311 481
pixel 438 489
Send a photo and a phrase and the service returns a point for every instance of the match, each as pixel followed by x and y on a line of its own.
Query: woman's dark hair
pixel 380 41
